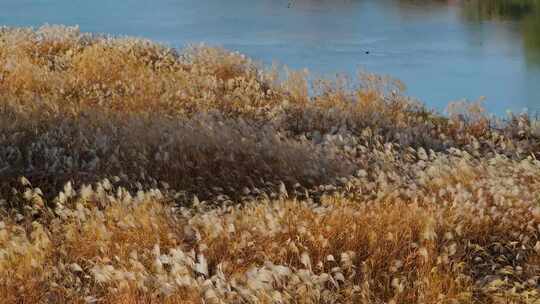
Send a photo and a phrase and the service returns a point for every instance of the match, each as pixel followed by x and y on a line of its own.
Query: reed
pixel 131 172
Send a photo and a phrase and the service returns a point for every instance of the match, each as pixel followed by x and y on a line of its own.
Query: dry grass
pixel 130 173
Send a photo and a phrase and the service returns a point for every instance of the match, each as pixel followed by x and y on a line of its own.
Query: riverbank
pixel 130 172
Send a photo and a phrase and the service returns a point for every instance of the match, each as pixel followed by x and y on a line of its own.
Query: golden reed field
pixel 135 173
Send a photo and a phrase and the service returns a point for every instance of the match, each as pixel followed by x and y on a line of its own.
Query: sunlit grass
pixel 130 172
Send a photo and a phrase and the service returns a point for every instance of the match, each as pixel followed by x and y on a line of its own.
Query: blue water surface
pixel 442 50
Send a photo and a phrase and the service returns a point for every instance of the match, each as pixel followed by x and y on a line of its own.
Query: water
pixel 442 50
